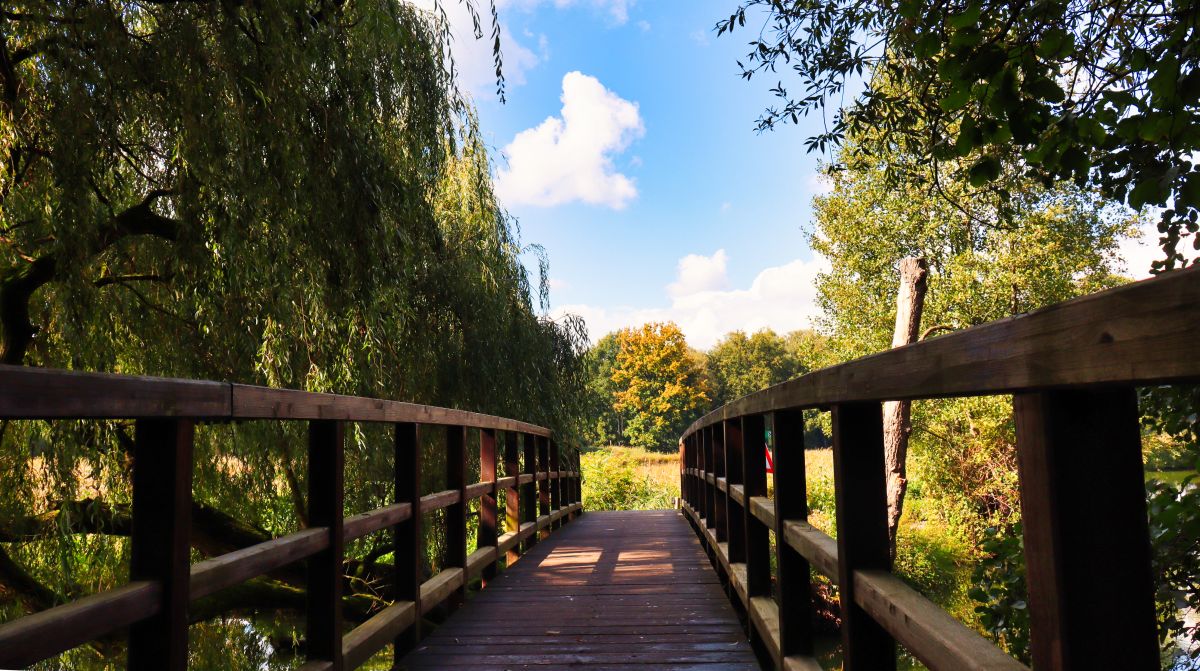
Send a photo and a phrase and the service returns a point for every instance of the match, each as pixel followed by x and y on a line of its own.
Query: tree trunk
pixel 897 415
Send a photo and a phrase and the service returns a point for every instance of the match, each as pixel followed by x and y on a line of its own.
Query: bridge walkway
pixel 610 590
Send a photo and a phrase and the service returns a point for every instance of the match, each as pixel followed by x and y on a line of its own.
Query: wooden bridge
pixel 693 588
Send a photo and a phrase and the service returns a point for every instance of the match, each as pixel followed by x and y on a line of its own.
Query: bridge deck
pixel 611 590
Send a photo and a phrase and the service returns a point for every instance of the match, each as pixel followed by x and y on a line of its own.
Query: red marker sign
pixel 770 461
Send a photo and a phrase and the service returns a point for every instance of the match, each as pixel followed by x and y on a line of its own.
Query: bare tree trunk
pixel 897 415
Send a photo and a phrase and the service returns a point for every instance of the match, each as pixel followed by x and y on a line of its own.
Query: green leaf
pixel 970 17
pixel 956 99
pixel 985 170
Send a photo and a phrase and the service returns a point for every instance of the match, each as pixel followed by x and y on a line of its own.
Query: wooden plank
pixel 1140 334
pixel 791 506
pixel 371 636
pixel 505 483
pixel 556 485
pixel 859 488
pixel 235 568
pixel 764 509
pixel 479 489
pixel 529 499
pixel 407 543
pixel 720 522
pixel 757 535
pixel 456 514
pixel 941 642
pixel 512 506
pixel 816 546
pixel 439 500
pixel 735 521
pixel 160 545
pixel 487 533
pixel 323 610
pixel 609 590
pixel 250 402
pixel 47 393
pixel 30 639
pixel 480 560
pixel 440 587
pixel 363 524
pixel 1087 543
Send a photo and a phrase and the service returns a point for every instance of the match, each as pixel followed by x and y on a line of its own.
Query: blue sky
pixel 655 199
pixel 627 150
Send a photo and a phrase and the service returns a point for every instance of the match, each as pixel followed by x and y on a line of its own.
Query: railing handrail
pixel 49 393
pixel 1073 369
pixel 1090 340
pixel 542 491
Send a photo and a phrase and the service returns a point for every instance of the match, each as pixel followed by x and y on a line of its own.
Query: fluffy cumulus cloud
pixel 782 298
pixel 569 158
pixel 473 56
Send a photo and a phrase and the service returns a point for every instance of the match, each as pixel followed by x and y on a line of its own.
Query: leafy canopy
pixel 1101 92
pixel 659 384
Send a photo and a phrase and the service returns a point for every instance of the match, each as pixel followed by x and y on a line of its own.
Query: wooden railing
pixel 539 495
pixel 1072 370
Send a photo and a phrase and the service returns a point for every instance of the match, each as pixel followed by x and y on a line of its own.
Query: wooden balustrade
pixel 1072 369
pixel 154 604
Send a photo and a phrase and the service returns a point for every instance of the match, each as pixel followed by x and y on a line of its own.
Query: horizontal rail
pixel 369 637
pixel 50 632
pixel 234 568
pixel 379 519
pixel 1141 334
pixel 45 393
pixel 439 500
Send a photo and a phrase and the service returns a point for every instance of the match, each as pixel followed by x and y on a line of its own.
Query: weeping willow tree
pixel 282 192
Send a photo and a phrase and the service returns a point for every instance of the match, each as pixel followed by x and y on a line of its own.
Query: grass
pixel 629 478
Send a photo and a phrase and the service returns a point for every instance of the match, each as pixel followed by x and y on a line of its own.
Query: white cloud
pixel 644 25
pixel 696 273
pixel 618 10
pixel 819 183
pixel 700 36
pixel 726 206
pixel 474 58
pixel 570 157
pixel 782 298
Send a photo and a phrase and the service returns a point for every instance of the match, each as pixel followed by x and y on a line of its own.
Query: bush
pixel 626 478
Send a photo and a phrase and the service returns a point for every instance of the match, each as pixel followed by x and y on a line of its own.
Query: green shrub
pixel 621 478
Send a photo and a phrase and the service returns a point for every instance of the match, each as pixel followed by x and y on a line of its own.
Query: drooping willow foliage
pixel 279 192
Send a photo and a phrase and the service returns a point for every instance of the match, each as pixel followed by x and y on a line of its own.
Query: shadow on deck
pixel 611 590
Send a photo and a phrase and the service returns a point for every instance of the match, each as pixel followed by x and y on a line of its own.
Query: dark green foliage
pixel 1001 592
pixel 1075 90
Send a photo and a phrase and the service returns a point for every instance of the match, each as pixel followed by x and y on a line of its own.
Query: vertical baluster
pixel 862 529
pixel 408 550
pixel 1087 544
pixel 757 536
pixel 456 514
pixel 735 519
pixel 529 502
pixel 487 503
pixel 708 485
pixel 160 550
pixel 791 503
pixel 543 470
pixel 325 509
pixel 720 499
pixel 555 484
pixel 512 499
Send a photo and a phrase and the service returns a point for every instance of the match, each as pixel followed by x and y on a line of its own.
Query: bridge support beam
pixel 1087 542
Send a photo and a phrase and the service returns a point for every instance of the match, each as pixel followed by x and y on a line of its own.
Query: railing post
pixel 529 500
pixel 325 509
pixel 160 544
pixel 791 503
pixel 456 514
pixel 555 484
pixel 720 499
pixel 757 535
pixel 862 537
pixel 512 499
pixel 735 518
pixel 1087 543
pixel 408 549
pixel 543 460
pixel 487 503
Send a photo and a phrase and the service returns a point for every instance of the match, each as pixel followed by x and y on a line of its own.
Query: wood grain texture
pixel 235 568
pixel 1141 334
pixel 941 642
pixel 439 500
pixel 35 637
pixel 629 590
pixel 369 637
pixel 160 544
pixel 360 525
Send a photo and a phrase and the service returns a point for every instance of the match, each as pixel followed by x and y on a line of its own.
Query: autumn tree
pixel 658 384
